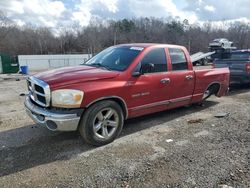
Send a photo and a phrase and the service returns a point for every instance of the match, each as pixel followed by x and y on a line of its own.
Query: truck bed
pixel 206 77
pixel 202 67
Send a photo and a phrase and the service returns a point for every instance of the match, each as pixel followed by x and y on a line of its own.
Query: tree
pixel 100 34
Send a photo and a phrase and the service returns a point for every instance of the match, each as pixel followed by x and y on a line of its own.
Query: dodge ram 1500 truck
pixel 121 82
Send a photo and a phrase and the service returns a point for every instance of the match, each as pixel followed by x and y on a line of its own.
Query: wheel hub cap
pixel 105 123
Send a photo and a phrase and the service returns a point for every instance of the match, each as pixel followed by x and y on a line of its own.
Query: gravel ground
pixel 185 147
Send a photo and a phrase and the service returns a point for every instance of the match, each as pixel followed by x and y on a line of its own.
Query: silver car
pixel 221 42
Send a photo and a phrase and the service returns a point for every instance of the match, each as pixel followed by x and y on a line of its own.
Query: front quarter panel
pixel 102 89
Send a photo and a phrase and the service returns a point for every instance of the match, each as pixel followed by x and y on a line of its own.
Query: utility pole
pixel 115 35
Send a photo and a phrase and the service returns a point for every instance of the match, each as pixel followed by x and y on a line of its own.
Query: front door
pixel 149 92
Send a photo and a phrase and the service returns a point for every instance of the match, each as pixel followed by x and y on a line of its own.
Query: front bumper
pixel 54 120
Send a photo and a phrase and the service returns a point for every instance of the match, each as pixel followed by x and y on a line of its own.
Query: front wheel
pixel 101 123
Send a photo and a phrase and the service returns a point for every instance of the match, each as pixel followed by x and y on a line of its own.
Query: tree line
pixel 98 35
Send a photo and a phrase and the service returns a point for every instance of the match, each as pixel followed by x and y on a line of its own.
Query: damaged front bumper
pixel 54 120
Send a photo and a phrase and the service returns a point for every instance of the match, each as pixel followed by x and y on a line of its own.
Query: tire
pixel 210 91
pixel 206 94
pixel 101 123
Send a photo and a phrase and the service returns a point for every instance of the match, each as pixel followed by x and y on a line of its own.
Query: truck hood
pixel 73 75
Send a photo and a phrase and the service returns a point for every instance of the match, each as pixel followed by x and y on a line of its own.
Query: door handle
pixel 165 80
pixel 189 77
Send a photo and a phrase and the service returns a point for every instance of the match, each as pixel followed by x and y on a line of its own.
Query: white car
pixel 221 42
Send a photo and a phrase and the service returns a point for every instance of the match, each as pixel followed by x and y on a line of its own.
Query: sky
pixel 62 13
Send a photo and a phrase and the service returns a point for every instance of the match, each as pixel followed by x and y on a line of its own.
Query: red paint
pixel 248 67
pixel 144 94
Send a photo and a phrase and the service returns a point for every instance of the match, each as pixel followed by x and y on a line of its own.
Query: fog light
pixel 51 125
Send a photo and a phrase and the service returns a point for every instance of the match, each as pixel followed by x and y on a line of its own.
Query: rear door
pixel 182 78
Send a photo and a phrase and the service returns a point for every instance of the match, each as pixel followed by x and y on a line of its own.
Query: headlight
pixel 67 98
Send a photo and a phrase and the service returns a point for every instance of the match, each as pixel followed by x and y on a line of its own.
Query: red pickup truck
pixel 121 82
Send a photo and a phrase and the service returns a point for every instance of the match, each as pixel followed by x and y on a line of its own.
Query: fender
pixel 216 82
pixel 124 105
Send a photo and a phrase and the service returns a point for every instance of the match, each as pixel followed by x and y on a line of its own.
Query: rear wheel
pixel 101 123
pixel 213 89
pixel 206 94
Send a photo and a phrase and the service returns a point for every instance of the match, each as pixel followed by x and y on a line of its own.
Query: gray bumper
pixel 53 120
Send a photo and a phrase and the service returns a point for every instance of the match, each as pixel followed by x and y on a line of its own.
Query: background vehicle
pixel 238 63
pixel 120 82
pixel 221 42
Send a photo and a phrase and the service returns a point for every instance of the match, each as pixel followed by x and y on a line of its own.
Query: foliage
pixel 98 35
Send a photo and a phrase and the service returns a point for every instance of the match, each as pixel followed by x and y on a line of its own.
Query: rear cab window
pixel 178 59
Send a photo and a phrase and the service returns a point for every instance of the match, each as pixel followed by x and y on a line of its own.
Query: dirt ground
pixel 185 147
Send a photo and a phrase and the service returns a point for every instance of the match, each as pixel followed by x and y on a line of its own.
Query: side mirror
pixel 136 74
pixel 147 68
pixel 144 68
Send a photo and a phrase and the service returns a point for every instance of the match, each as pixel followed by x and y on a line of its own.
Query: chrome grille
pixel 39 91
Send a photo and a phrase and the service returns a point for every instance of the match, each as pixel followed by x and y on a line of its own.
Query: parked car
pixel 238 63
pixel 119 83
pixel 221 42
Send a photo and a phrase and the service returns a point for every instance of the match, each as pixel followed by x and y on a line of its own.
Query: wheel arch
pixel 216 85
pixel 117 99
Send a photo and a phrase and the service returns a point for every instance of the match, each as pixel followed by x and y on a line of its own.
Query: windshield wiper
pixel 100 65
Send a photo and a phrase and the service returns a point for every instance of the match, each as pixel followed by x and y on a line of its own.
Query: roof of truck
pixel 145 45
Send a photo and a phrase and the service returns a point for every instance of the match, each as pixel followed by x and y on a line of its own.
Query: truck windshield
pixel 115 58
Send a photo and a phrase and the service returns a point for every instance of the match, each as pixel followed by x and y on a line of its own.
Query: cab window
pixel 157 58
pixel 178 59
